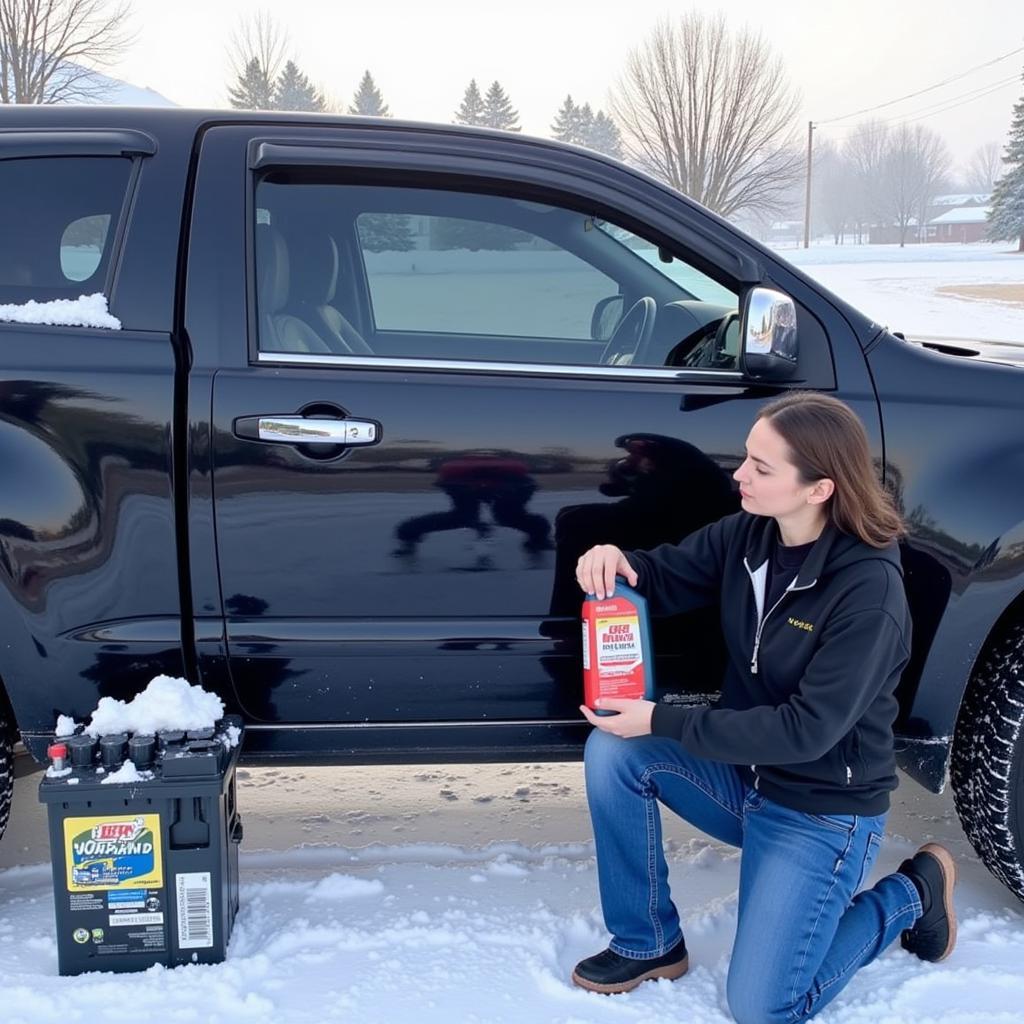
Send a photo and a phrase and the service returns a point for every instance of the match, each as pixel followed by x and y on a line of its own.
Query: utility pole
pixel 807 199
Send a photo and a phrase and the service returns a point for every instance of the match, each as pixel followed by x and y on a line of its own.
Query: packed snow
pixel 66 726
pixel 465 894
pixel 166 703
pixel 126 774
pixel 85 311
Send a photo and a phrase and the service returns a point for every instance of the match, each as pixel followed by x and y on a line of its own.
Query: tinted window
pixel 476 277
pixel 58 216
pixel 441 274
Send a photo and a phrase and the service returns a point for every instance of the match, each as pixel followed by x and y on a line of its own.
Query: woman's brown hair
pixel 827 440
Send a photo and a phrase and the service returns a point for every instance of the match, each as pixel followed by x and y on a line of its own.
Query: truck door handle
pixel 307 430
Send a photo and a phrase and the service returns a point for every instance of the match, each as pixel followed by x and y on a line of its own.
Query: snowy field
pixel 920 289
pixel 465 893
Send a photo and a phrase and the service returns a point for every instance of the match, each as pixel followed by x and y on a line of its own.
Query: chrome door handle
pixel 306 430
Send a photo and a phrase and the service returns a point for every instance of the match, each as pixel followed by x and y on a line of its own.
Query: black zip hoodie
pixel 808 695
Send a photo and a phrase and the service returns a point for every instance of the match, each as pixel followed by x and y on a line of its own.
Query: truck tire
pixel 6 770
pixel 987 769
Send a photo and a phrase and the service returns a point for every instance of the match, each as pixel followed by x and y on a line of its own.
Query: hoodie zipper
pixel 760 626
pixel 759 600
pixel 764 618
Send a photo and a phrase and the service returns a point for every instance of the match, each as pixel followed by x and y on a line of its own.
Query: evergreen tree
pixel 294 91
pixel 581 126
pixel 457 233
pixel 498 110
pixel 385 232
pixel 471 111
pixel 254 90
pixel 368 100
pixel 1006 219
pixel 604 136
pixel 586 125
pixel 566 125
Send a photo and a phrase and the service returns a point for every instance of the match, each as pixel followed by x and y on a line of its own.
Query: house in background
pixel 960 217
pixel 961 224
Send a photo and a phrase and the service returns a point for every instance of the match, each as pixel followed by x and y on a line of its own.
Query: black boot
pixel 933 873
pixel 607 972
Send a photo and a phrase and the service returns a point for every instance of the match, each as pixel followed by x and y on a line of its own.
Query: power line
pixel 920 92
pixel 939 107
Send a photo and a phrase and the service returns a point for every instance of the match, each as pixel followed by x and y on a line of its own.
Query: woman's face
pixel 769 483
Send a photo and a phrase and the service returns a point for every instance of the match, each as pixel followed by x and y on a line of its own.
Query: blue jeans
pixel 802 927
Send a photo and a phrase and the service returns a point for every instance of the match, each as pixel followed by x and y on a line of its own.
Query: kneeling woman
pixel 795 763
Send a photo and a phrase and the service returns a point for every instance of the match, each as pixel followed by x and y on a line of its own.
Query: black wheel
pixel 987 769
pixel 6 770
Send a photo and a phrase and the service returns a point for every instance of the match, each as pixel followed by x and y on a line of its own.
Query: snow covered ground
pixel 460 893
pixel 900 287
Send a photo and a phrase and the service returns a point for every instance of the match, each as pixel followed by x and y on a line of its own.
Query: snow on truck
pixel 347 399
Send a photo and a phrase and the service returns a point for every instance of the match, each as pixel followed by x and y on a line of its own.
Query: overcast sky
pixel 841 56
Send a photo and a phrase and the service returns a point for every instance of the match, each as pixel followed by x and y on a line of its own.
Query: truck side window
pixel 422 273
pixel 58 216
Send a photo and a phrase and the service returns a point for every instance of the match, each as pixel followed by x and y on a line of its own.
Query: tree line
pixel 267 78
pixel 699 105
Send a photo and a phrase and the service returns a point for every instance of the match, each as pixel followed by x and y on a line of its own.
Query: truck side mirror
pixel 768 335
pixel 605 318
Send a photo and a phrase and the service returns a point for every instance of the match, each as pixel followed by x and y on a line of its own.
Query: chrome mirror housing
pixel 768 332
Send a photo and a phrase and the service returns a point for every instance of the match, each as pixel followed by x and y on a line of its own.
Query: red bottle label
pixel 613 654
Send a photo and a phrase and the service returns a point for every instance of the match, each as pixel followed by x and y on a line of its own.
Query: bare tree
pixel 257 53
pixel 985 167
pixel 50 49
pixel 710 112
pixel 866 150
pixel 835 192
pixel 916 164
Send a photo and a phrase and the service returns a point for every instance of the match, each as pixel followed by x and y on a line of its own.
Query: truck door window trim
pixel 18 145
pixel 480 366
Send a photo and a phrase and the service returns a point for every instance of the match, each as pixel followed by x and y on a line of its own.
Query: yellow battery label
pixel 113 852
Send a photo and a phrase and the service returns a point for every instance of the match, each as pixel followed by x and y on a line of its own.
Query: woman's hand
pixel 633 719
pixel 597 568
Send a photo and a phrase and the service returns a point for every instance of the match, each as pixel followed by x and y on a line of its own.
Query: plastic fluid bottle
pixel 617 657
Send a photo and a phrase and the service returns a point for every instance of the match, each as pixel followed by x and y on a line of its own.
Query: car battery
pixel 145 866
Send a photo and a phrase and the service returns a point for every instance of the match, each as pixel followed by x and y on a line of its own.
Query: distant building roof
pixel 964 215
pixel 963 199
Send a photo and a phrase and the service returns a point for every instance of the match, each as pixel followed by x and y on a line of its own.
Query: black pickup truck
pixel 371 389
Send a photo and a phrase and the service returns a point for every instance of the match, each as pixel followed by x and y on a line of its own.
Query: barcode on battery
pixel 195 910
